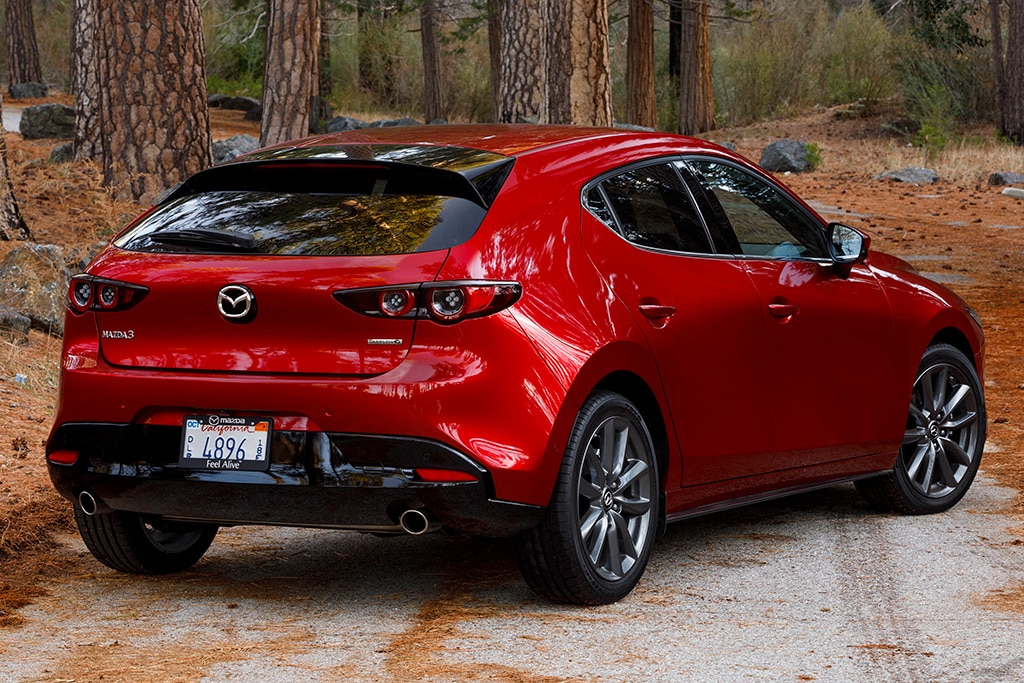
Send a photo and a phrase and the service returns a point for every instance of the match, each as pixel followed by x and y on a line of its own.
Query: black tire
pixel 943 441
pixel 570 556
pixel 133 544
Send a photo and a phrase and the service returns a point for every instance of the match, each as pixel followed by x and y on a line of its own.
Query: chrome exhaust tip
pixel 90 504
pixel 417 521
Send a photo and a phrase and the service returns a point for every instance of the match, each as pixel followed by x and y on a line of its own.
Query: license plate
pixel 217 442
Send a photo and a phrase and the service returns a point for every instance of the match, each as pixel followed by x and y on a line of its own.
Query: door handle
pixel 783 310
pixel 657 312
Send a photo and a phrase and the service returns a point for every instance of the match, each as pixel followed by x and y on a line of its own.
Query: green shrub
pixel 857 66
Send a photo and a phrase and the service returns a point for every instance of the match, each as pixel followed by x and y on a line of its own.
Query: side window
pixel 765 220
pixel 653 209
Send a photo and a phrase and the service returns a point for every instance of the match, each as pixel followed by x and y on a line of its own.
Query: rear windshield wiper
pixel 206 238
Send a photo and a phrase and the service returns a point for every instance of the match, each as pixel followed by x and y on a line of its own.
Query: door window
pixel 765 220
pixel 650 207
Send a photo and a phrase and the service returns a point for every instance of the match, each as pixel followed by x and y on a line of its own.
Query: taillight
pixel 90 293
pixel 442 302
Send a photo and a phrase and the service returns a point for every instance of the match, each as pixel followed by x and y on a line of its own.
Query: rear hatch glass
pixel 291 234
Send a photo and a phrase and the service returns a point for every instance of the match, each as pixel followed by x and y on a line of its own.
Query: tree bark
pixel 675 23
pixel 1013 96
pixel 154 120
pixel 433 78
pixel 326 85
pixel 641 102
pixel 591 85
pixel 522 78
pixel 495 9
pixel 11 222
pixel 85 79
pixel 696 101
pixel 289 73
pixel 22 47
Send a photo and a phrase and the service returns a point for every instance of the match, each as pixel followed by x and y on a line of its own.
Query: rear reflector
pixel 63 457
pixel 438 475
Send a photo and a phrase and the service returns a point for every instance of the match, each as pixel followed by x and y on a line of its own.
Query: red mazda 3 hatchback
pixel 564 336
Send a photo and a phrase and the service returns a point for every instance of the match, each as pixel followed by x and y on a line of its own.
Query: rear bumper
pixel 315 479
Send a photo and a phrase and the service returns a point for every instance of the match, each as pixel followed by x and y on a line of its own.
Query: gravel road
pixel 814 587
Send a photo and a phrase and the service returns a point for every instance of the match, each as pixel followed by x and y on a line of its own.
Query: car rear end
pixel 271 345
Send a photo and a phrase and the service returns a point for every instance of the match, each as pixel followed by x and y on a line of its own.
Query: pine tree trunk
pixel 1013 94
pixel 154 121
pixel 85 79
pixel 433 81
pixel 557 30
pixel 22 48
pixel 326 86
pixel 11 222
pixel 696 101
pixel 495 9
pixel 641 103
pixel 591 87
pixel 290 69
pixel 523 70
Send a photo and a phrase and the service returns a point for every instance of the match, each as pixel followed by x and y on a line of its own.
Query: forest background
pixel 936 67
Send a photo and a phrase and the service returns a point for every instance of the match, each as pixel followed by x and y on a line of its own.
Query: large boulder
pixel 13 325
pixel 238 103
pixel 34 282
pixel 392 123
pixel 785 156
pixel 913 175
pixel 44 121
pixel 226 150
pixel 26 91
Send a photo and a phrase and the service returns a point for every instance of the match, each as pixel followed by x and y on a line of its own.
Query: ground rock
pixel 63 153
pixel 1002 178
pixel 915 175
pixel 34 282
pixel 340 124
pixel 48 121
pixel 391 123
pixel 226 150
pixel 254 114
pixel 13 325
pixel 25 91
pixel 784 156
pixel 239 103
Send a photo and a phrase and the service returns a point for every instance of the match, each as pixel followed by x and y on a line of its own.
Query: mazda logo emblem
pixel 236 303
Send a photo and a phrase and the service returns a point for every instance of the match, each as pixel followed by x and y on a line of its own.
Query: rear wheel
pixel 943 441
pixel 134 544
pixel 595 539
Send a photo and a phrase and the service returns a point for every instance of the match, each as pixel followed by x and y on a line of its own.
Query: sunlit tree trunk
pixel 696 101
pixel 433 80
pixel 290 70
pixel 154 120
pixel 12 225
pixel 641 103
pixel 22 48
pixel 84 79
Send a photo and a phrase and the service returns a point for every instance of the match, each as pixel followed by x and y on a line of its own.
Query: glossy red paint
pixel 754 375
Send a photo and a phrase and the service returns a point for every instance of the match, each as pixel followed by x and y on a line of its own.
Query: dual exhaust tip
pixel 414 521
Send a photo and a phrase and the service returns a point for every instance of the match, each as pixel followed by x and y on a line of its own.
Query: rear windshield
pixel 298 224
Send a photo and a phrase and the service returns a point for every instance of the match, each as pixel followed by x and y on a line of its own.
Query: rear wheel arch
pixel 639 393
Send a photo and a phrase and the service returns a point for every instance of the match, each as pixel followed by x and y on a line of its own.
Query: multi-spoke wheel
pixel 134 544
pixel 597 533
pixel 943 441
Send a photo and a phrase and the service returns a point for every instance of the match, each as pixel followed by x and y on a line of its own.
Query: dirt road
pixel 811 588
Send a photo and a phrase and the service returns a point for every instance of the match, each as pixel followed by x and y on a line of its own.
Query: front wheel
pixel 135 544
pixel 595 539
pixel 943 441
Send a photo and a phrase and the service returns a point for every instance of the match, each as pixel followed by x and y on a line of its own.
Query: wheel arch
pixel 958 340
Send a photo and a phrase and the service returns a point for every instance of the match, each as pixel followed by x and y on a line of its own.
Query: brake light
pixel 90 293
pixel 63 457
pixel 442 302
pixel 435 475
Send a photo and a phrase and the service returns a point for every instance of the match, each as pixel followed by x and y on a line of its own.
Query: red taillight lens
pixel 89 293
pixel 63 457
pixel 442 302
pixel 443 476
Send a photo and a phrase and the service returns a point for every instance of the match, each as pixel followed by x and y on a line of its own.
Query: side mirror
pixel 846 246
